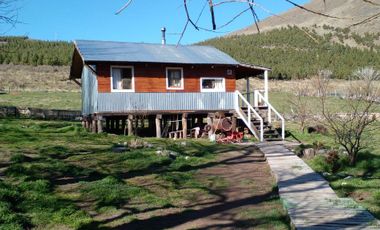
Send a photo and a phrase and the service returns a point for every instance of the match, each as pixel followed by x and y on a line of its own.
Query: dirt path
pixel 242 198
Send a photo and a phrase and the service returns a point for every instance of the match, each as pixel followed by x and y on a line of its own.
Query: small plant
pixel 318 145
pixel 333 160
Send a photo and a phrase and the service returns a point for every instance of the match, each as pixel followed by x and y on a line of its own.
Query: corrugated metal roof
pixel 144 52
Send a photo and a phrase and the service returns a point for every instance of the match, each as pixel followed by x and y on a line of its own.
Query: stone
pixel 119 149
pixel 321 152
pixel 309 153
pixel 326 174
pixel 173 155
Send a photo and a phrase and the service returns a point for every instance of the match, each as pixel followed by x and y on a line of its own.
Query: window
pixel 174 78
pixel 122 78
pixel 213 84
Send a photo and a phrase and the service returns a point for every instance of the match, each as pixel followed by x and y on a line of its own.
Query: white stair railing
pixel 247 117
pixel 260 98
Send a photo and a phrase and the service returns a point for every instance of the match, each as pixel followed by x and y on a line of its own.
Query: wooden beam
pixel 234 122
pixel 266 85
pixel 93 125
pixel 184 125
pixel 158 125
pixel 210 122
pixel 130 125
pixel 100 124
pixel 123 126
pixel 248 90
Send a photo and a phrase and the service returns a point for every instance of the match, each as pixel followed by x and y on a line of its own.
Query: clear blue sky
pixel 140 22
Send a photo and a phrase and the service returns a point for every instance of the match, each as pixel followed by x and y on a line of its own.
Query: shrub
pixel 333 160
pixel 319 164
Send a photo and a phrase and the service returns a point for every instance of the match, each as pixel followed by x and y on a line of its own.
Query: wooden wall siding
pixel 152 77
pixel 104 80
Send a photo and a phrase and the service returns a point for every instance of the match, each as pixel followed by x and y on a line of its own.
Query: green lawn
pixel 361 182
pixel 55 175
pixel 44 100
pixel 282 102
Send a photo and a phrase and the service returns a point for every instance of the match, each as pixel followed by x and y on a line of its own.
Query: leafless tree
pixel 252 6
pixel 349 127
pixel 299 104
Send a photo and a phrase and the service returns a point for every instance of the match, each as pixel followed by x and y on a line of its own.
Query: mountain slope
pixel 295 52
pixel 352 11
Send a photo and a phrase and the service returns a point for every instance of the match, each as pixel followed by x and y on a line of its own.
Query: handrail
pixel 270 107
pixel 248 122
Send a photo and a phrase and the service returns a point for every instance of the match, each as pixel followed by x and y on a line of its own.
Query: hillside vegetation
pixel 22 50
pixel 293 53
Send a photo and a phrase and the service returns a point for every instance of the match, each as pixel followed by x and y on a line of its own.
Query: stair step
pixel 273 139
pixel 271 131
pixel 262 107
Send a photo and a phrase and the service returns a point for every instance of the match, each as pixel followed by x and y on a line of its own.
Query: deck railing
pixel 260 99
pixel 242 102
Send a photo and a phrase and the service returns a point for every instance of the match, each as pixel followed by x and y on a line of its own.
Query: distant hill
pixel 25 51
pixel 295 52
pixel 352 11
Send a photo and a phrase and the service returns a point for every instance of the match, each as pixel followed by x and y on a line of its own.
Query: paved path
pixel 310 201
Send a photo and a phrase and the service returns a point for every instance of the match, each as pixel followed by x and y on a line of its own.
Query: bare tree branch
pixel 371 2
pixel 366 20
pixel 124 7
pixel 212 14
pixel 311 11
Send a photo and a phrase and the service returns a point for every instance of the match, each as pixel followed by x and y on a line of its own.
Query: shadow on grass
pixel 167 166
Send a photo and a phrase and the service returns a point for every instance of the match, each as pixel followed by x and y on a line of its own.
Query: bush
pixel 333 160
pixel 319 164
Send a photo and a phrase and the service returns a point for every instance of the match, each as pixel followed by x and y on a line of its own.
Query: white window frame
pixel 133 78
pixel 213 90
pixel 167 78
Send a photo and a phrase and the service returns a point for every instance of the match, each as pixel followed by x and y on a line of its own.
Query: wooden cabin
pixel 160 89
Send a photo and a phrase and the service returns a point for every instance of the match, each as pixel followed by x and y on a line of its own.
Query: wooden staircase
pixel 259 119
pixel 270 133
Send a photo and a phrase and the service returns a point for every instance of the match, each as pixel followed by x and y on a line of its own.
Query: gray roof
pixel 144 52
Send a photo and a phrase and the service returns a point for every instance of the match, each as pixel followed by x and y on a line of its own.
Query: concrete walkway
pixel 310 201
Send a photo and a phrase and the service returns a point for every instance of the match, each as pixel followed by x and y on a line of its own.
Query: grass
pixel 55 175
pixel 44 100
pixel 282 102
pixel 360 182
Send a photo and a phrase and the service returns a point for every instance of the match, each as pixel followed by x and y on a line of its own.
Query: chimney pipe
pixel 163 30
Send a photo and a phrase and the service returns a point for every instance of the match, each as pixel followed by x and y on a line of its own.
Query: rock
pixel 309 153
pixel 321 152
pixel 162 153
pixel 326 174
pixel 119 149
pixel 173 155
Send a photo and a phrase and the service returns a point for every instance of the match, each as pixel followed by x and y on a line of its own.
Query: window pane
pixel 122 78
pixel 213 84
pixel 174 78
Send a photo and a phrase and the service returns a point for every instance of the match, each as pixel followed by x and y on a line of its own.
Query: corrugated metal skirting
pixel 89 91
pixel 124 102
